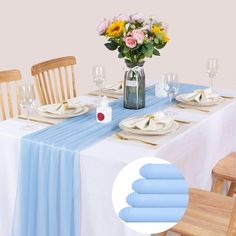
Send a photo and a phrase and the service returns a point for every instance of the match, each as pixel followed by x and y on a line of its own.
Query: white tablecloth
pixel 194 149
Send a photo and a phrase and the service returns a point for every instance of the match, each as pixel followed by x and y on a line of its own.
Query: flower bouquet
pixel 135 38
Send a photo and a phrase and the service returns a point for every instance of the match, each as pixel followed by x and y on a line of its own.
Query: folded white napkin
pixel 116 87
pixel 152 122
pixel 64 107
pixel 201 96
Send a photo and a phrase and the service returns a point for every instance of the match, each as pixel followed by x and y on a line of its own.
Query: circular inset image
pixel 150 195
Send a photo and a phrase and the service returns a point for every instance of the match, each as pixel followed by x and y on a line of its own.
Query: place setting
pixel 49 114
pixel 149 128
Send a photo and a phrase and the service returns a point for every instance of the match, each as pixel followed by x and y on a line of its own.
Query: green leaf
pixel 156 52
pixel 160 46
pixel 156 40
pixel 149 53
pixel 111 46
pixel 159 36
pixel 126 50
pixel 121 55
pixel 149 46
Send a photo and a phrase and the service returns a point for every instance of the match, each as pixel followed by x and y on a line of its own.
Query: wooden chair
pixel 52 79
pixel 208 214
pixel 8 78
pixel 225 170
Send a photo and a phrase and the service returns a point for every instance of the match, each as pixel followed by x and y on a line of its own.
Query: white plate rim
pixel 213 103
pixel 55 116
pixel 174 127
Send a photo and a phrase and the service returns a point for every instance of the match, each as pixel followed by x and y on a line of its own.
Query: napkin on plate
pixel 63 107
pixel 152 122
pixel 117 87
pixel 201 96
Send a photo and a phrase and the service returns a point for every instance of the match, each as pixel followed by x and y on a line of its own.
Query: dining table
pixel 202 139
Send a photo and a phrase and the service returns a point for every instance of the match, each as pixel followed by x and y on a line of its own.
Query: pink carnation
pixel 138 35
pixel 121 17
pixel 130 42
pixel 103 25
pixel 137 17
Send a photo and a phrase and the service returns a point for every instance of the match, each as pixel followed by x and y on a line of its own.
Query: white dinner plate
pixel 160 131
pixel 210 102
pixel 68 113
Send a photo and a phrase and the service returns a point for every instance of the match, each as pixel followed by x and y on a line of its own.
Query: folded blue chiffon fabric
pixel 48 196
pixel 157 200
pixel 160 171
pixel 167 186
pixel 130 214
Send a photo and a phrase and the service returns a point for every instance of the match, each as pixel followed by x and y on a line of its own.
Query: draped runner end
pixel 48 197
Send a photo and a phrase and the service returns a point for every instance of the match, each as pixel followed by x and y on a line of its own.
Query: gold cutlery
pixel 228 97
pixel 121 137
pixel 183 121
pixel 191 107
pixel 36 120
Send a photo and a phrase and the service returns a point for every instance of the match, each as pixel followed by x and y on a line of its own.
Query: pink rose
pixel 103 25
pixel 138 35
pixel 120 17
pixel 137 17
pixel 130 42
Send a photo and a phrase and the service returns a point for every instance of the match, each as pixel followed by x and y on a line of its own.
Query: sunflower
pixel 116 29
pixel 156 29
pixel 165 37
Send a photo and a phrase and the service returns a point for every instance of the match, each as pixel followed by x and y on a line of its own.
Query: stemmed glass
pixel 212 70
pixel 99 77
pixel 171 86
pixel 28 102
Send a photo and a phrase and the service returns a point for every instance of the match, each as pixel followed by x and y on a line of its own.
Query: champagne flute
pixel 171 86
pixel 28 102
pixel 212 70
pixel 99 77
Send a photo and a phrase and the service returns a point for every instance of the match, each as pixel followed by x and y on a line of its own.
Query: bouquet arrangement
pixel 135 37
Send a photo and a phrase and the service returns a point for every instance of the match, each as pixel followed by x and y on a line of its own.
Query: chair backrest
pixel 9 80
pixel 52 79
pixel 232 224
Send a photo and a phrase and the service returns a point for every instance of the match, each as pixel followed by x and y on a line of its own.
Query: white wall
pixel 34 31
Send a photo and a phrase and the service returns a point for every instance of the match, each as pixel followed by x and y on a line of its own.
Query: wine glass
pixel 212 70
pixel 171 86
pixel 28 102
pixel 99 77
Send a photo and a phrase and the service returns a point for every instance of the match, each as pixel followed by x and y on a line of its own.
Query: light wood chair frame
pixel 187 231
pixel 7 77
pixel 44 80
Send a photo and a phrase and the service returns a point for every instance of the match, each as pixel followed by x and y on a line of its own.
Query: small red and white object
pixel 104 111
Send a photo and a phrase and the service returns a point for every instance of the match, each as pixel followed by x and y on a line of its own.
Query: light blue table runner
pixel 48 198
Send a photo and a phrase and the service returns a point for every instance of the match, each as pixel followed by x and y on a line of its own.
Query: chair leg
pixel 217 186
pixel 231 189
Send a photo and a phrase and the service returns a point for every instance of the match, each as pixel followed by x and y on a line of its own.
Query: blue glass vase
pixel 134 86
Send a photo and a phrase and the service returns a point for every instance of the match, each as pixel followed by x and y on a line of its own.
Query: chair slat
pixel 67 83
pixel 73 81
pixel 9 100
pixel 39 89
pixel 42 88
pixel 46 88
pixel 50 87
pixel 2 104
pixel 56 86
pixel 18 98
pixel 61 84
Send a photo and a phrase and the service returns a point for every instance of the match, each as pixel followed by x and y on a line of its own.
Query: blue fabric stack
pixel 161 196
